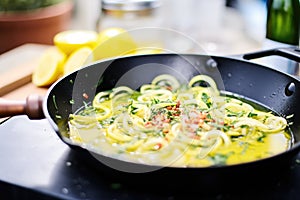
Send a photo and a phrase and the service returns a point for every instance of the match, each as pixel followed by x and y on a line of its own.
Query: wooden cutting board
pixel 16 67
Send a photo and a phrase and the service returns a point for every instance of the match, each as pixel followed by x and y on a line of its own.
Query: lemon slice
pixel 113 42
pixel 142 51
pixel 77 59
pixel 71 40
pixel 49 67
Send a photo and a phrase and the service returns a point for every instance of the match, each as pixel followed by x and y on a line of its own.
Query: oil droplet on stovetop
pixel 68 163
pixel 65 190
pixel 229 75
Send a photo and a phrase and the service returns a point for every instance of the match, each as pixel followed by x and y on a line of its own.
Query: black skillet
pixel 276 90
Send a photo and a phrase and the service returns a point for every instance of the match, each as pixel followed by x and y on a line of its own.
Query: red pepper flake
pixel 148 124
pixel 85 95
pixel 165 131
pixel 202 115
pixel 157 146
pixel 167 120
pixel 169 107
pixel 169 88
pixel 176 114
pixel 196 137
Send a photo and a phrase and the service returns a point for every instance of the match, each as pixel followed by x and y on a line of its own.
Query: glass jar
pixel 129 14
pixel 149 23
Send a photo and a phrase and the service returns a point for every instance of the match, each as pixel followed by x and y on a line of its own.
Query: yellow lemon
pixel 113 42
pixel 71 40
pixel 49 67
pixel 77 59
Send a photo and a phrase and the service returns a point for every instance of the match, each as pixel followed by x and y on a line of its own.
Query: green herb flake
pixel 155 101
pixel 72 101
pixel 252 114
pixel 58 116
pixel 226 128
pixel 261 138
pixel 289 116
pixel 133 110
pixel 244 126
pixel 208 116
pixel 234 114
pixel 108 121
pixel 205 98
pixel 290 123
pixel 54 102
pixel 227 99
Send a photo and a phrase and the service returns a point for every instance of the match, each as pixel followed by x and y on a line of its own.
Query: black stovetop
pixel 36 164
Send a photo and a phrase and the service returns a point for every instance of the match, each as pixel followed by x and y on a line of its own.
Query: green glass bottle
pixel 282 30
pixel 283 21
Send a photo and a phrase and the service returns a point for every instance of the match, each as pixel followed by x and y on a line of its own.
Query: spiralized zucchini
pixel 169 123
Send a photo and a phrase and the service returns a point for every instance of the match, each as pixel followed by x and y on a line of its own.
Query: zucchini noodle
pixel 169 123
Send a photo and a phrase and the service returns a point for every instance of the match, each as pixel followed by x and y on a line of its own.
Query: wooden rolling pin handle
pixel 32 107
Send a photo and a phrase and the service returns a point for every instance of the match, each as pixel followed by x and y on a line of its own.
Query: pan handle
pixel 32 107
pixel 292 53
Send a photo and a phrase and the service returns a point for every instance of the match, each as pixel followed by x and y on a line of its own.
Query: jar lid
pixel 130 5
